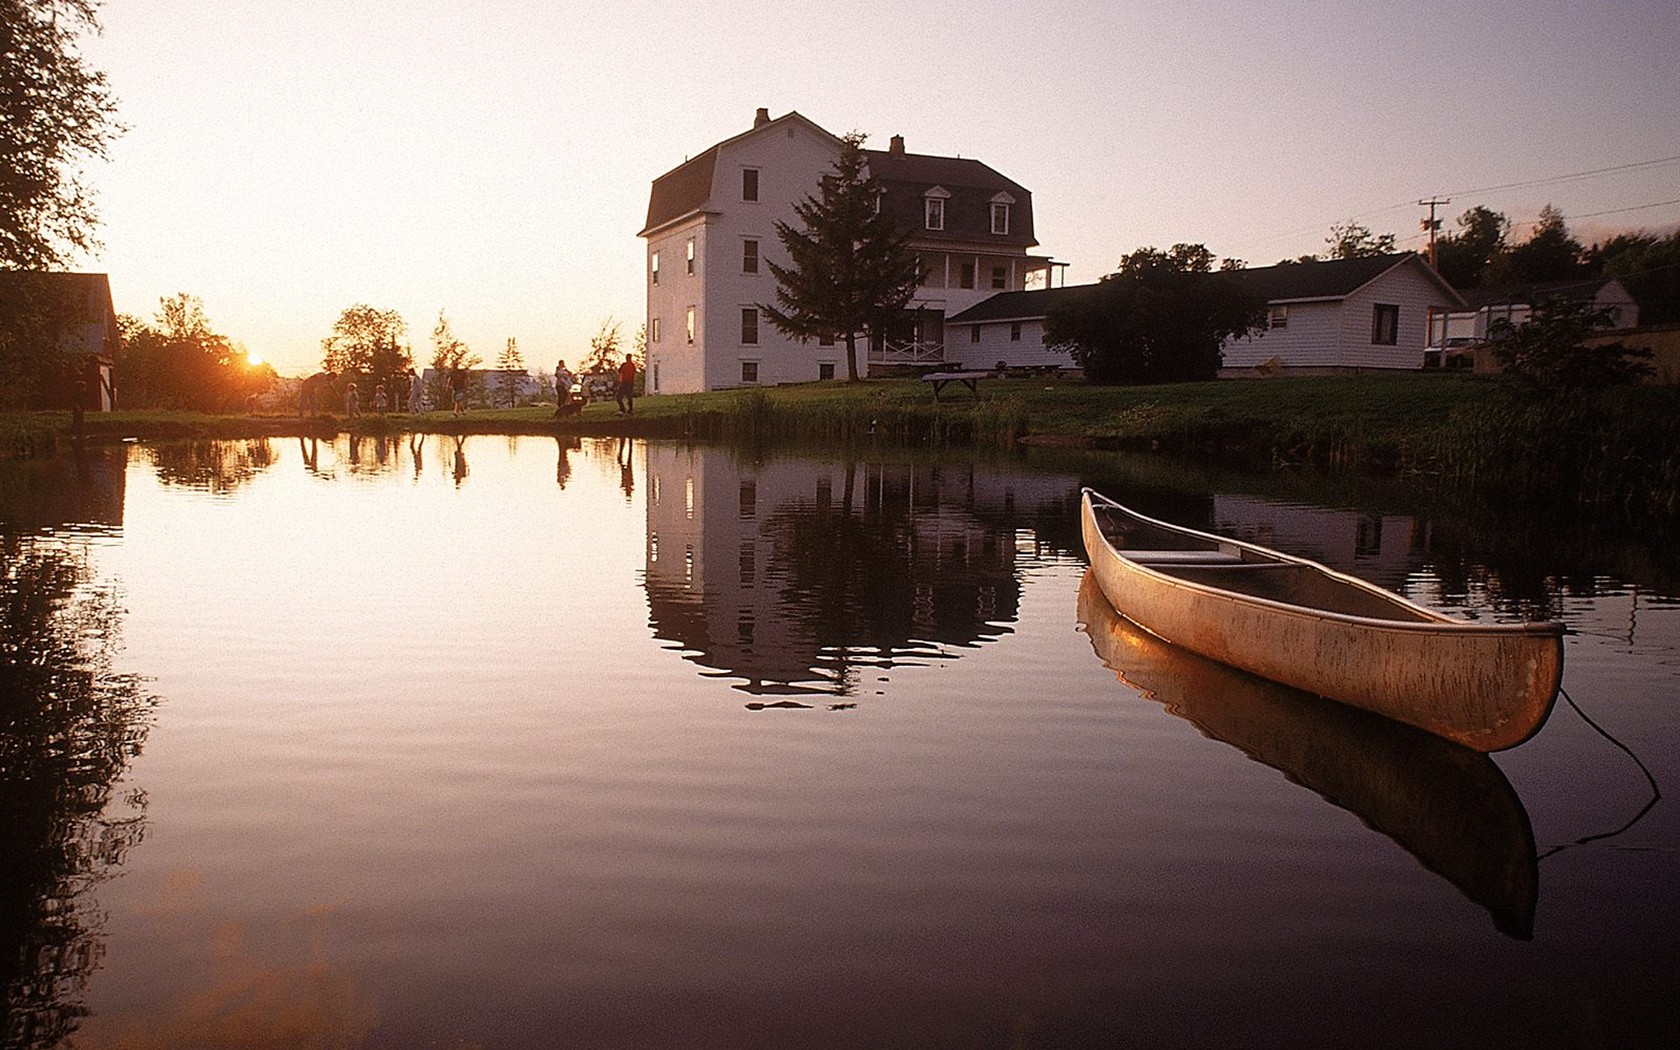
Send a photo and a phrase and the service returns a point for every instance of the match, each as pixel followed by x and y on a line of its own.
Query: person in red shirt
pixel 627 387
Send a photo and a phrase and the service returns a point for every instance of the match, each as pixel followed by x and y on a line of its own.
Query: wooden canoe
pixel 1484 685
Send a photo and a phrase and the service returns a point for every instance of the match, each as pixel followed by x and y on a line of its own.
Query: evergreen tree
pixel 849 271
pixel 511 363
pixel 1550 253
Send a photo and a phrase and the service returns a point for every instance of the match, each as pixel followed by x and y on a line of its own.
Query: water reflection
pixel 214 466
pixel 69 728
pixel 80 490
pixel 1448 806
pixel 807 576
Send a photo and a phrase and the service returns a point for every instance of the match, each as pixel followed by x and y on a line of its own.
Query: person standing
pixel 310 392
pixel 562 388
pixel 416 392
pixel 458 391
pixel 352 400
pixel 627 386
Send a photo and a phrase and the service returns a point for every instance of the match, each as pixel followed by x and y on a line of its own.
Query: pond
pixel 523 742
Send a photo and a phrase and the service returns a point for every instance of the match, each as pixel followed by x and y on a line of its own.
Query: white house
pixel 711 229
pixel 1341 315
pixel 1516 303
pixel 77 308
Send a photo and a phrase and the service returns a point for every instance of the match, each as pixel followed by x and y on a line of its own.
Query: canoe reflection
pixel 1448 806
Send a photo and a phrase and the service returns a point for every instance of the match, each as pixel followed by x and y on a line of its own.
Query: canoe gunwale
pixel 1436 623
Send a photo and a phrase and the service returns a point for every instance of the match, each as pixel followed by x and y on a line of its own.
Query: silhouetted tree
pixel 1162 318
pixel 1648 267
pixel 1549 356
pixel 180 362
pixel 55 114
pixel 1350 240
pixel 1549 254
pixel 36 315
pixel 1464 258
pixel 850 270
pixel 605 347
pixel 365 341
pixel 511 363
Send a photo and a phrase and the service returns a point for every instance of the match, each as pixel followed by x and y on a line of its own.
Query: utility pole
pixel 1431 224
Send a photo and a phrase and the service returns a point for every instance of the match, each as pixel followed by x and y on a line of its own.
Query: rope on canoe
pixel 1656 792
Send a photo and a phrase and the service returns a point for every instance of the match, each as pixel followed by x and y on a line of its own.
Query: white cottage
pixel 711 229
pixel 1341 315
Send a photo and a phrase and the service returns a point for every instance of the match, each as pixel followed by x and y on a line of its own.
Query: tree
pixel 37 314
pixel 850 270
pixel 1466 257
pixel 604 348
pixel 181 362
pixel 55 113
pixel 1350 240
pixel 1549 355
pixel 448 354
pixel 1163 317
pixel 511 364
pixel 1648 267
pixel 1550 254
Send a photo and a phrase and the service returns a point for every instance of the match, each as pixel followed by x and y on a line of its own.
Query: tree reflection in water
pixel 214 466
pixel 68 729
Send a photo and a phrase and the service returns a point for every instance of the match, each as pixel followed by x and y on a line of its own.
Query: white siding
pixel 1407 288
pixel 1309 341
pixel 995 345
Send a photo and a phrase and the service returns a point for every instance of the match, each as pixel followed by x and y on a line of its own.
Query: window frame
pixel 1000 210
pixel 749 185
pixel 749 255
pixel 753 366
pixel 690 253
pixel 1385 324
pixel 749 326
pixel 933 213
pixel 653 266
pixel 689 325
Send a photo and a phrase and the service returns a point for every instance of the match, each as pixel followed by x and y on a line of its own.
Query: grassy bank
pixel 1620 449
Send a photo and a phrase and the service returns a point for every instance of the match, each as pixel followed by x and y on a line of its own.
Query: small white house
pixel 1341 315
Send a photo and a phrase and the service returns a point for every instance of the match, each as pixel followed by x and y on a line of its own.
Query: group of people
pixel 314 391
pixel 624 388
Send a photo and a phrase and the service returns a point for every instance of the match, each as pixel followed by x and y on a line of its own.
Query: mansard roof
pixel 971 187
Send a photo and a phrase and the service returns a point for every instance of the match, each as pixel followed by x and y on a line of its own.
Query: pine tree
pixel 511 363
pixel 849 271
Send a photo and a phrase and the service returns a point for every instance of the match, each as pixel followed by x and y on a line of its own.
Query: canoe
pixel 1448 806
pixel 1488 686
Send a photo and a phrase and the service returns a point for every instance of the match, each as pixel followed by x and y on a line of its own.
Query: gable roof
pixel 1329 279
pixel 1017 306
pixel 686 189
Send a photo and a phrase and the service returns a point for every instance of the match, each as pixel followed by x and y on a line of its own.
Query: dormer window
pixel 934 207
pixel 1000 213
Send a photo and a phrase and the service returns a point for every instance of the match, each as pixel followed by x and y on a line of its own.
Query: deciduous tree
pixel 1465 258
pixel 448 354
pixel 1549 355
pixel 56 113
pixel 1162 318
pixel 604 348
pixel 1549 254
pixel 181 362
pixel 849 270
pixel 1351 240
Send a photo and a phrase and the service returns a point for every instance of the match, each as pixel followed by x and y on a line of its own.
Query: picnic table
pixel 970 379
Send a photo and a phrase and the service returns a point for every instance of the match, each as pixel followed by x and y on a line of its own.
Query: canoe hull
pixel 1486 686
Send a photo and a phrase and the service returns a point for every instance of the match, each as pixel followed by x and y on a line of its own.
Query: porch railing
pixel 907 352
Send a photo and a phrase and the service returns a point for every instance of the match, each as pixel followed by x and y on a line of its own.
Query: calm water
pixel 525 743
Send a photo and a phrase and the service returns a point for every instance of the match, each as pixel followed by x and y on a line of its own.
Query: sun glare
pixel 253 359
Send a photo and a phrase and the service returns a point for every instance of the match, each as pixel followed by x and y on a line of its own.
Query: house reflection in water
pixel 810 576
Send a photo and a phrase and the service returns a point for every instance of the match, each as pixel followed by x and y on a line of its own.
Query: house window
pixel 1000 277
pixel 974 333
pixel 749 255
pixel 1000 218
pixel 690 322
pixel 653 267
pixel 1277 317
pixel 825 370
pixel 1015 332
pixel 653 330
pixel 749 371
pixel 749 184
pixel 966 277
pixel 691 255
pixel 935 213
pixel 1385 324
pixel 749 326
pixel 825 340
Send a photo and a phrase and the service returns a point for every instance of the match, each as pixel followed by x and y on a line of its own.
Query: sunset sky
pixel 493 159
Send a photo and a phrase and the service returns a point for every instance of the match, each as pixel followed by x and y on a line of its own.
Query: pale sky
pixel 493 159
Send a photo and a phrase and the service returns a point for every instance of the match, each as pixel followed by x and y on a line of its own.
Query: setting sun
pixel 253 359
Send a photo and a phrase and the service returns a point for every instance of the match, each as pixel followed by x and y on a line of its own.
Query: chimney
pixel 762 117
pixel 896 146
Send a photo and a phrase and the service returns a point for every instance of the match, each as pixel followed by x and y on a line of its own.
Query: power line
pixel 1636 165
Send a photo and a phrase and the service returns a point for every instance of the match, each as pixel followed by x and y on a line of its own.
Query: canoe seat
pixel 1203 557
